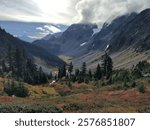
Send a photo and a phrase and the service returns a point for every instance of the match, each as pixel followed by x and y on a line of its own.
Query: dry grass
pixel 41 91
pixel 67 59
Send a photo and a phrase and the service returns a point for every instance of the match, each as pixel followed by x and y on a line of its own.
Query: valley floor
pixel 85 98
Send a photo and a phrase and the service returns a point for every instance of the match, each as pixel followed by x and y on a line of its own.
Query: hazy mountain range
pixel 30 31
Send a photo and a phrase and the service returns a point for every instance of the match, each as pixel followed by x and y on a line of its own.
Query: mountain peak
pixel 145 11
pixel 81 26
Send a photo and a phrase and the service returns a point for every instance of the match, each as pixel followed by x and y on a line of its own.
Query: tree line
pixel 103 70
pixel 18 66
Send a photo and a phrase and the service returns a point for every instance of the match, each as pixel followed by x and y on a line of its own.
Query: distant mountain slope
pixel 135 34
pixel 51 45
pixel 100 40
pixel 128 31
pixel 33 52
pixel 71 41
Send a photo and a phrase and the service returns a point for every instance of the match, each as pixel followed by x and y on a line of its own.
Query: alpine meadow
pixel 76 56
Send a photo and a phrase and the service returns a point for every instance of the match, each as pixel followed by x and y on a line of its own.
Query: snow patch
pixel 83 44
pixel 107 47
pixel 52 82
pixel 95 30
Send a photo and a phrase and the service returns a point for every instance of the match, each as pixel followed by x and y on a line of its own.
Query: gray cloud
pixel 69 11
pixel 19 10
pixel 19 6
pixel 99 11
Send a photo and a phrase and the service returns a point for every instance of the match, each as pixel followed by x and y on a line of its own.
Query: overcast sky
pixel 68 11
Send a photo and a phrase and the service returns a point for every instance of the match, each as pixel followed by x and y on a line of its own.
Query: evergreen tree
pixel 59 73
pixel 107 66
pixel 50 76
pixel 77 72
pixel 136 73
pixel 31 73
pixel 90 74
pixel 98 73
pixel 76 75
pixel 40 73
pixel 4 68
pixel 10 60
pixel 63 71
pixel 21 67
pixel 70 68
pixel 83 69
pixel 18 63
pixel 43 78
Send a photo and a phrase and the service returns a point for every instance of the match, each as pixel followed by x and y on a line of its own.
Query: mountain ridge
pixel 32 51
pixel 70 40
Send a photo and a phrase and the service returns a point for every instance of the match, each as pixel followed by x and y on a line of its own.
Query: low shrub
pixel 34 108
pixel 117 88
pixel 72 107
pixel 15 88
pixel 141 88
pixel 145 109
pixel 69 84
pixel 64 92
pixel 125 86
pixel 148 80
pixel 133 84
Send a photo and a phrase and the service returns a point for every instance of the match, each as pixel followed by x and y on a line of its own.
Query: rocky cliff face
pixel 129 31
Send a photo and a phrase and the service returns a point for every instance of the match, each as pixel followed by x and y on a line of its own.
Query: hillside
pixel 103 38
pixel 128 31
pixel 135 34
pixel 33 52
pixel 71 42
pixel 122 59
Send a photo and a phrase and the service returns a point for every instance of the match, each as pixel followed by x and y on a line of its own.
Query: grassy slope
pixel 67 59
pixel 85 98
pixel 124 59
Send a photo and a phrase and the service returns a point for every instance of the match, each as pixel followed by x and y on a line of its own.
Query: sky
pixel 56 15
pixel 68 11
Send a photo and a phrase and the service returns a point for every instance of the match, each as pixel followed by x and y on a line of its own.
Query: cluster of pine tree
pixel 142 69
pixel 18 66
pixel 83 75
pixel 15 88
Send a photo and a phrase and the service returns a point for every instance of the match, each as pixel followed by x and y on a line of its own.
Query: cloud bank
pixel 69 11
pixel 99 11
